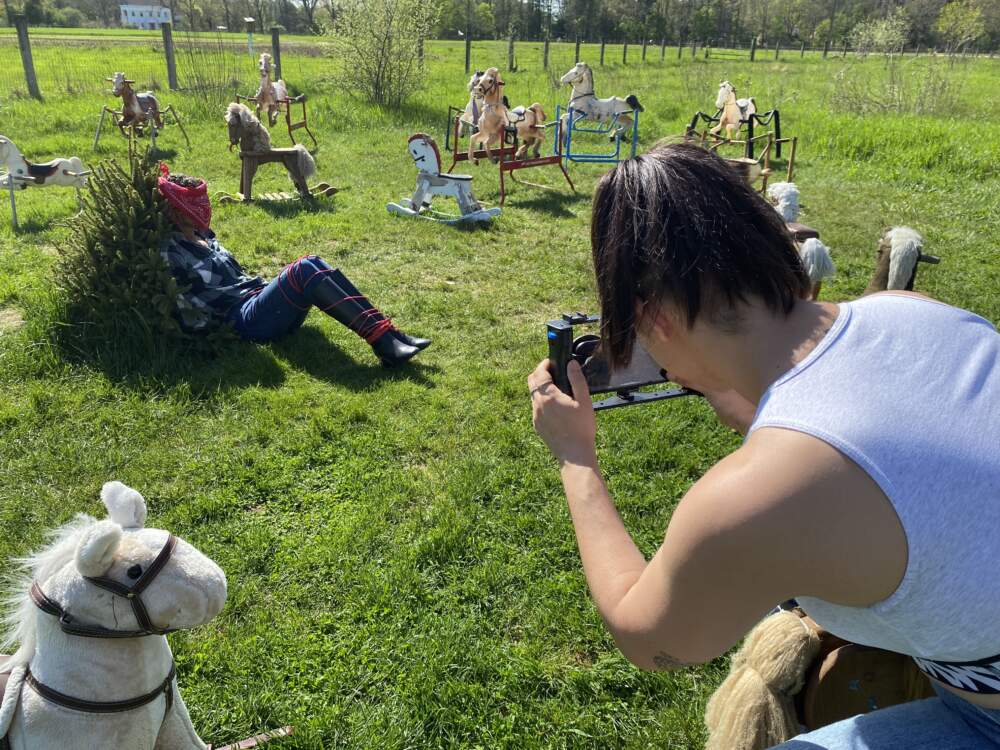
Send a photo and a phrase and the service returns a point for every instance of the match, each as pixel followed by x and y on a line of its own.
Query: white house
pixel 140 16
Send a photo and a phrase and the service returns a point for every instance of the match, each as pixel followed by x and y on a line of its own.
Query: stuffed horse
pixel 584 102
pixel 246 131
pixel 530 125
pixel 123 586
pixel 733 112
pixel 68 172
pixel 493 119
pixel 815 255
pixel 269 94
pixel 137 109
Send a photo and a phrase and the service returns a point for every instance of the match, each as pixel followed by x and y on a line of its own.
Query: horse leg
pixel 473 140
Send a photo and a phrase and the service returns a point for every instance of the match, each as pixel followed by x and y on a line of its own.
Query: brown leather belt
pixel 164 689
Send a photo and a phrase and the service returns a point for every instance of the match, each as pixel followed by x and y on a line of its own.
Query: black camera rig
pixel 624 382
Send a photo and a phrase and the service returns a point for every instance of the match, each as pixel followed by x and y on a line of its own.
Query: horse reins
pixel 69 626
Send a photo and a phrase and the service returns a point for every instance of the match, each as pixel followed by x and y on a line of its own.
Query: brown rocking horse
pixel 139 112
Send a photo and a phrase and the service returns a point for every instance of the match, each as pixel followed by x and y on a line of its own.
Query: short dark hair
pixel 678 223
pixel 184 181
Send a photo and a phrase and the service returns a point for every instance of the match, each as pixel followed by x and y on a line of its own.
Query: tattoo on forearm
pixel 663 660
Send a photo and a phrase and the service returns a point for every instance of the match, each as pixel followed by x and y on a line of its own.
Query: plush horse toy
pixel 137 109
pixel 733 112
pixel 584 102
pixel 493 120
pixel 93 668
pixel 530 123
pixel 254 141
pixel 269 94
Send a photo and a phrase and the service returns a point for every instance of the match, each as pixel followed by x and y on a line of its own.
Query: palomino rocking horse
pixel 272 97
pixel 90 614
pixel 431 181
pixel 139 113
pixel 22 173
pixel 731 115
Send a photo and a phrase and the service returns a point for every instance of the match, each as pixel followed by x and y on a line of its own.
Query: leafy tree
pixel 881 34
pixel 960 24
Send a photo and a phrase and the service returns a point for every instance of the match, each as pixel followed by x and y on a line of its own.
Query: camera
pixel 624 382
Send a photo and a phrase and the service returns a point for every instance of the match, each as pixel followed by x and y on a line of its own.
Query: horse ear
pixel 95 552
pixel 126 507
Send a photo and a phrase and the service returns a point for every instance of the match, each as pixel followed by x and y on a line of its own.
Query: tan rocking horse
pixel 733 112
pixel 140 112
pixel 530 124
pixel 493 120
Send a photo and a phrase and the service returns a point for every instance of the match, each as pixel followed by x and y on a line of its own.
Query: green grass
pixel 402 568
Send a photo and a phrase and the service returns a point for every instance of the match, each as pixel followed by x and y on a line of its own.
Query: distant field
pixel 402 569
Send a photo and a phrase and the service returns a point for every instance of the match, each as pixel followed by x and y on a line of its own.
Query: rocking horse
pixel 731 115
pixel 431 181
pixel 22 173
pixel 139 112
pixel 272 97
pixel 246 131
pixel 90 615
pixel 616 117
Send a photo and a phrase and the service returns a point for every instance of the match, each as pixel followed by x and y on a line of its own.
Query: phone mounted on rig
pixel 624 382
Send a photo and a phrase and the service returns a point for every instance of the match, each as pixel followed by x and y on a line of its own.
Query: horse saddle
pixel 747 107
pixel 800 232
pixel 42 171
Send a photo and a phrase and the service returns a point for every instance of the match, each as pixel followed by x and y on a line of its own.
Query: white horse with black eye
pixel 93 667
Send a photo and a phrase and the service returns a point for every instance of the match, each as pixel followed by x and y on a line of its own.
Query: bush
pixel 378 41
pixel 881 34
pixel 118 296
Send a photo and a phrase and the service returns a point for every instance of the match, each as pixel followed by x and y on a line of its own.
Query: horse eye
pixel 134 572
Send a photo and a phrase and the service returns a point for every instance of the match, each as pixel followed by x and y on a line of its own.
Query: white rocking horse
pixel 733 112
pixel 270 94
pixel 432 181
pixel 22 173
pixel 93 668
pixel 587 106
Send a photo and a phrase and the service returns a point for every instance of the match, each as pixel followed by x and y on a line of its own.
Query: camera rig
pixel 624 382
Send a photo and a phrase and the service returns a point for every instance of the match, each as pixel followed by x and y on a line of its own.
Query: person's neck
pixel 770 344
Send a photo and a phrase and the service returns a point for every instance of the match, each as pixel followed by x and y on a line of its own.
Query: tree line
pixel 945 24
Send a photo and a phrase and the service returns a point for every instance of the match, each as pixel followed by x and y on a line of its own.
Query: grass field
pixel 402 569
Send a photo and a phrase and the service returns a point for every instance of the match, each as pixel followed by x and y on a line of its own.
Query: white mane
pixel 906 244
pixel 17 624
pixel 785 196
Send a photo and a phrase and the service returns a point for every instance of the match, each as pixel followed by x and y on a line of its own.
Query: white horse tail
pixel 816 260
pixel 280 90
pixel 307 165
pixel 633 101
pixel 906 244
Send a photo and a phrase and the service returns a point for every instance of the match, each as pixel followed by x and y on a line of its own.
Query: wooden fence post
pixel 21 23
pixel 644 41
pixel 707 46
pixel 576 53
pixel 545 53
pixel 663 49
pixel 802 52
pixel 276 50
pixel 845 49
pixel 168 51
pixel 510 53
pixel 694 48
pixel 680 48
pixel 468 49
pixel 826 48
pixel 420 50
pixel 753 48
pixel 777 50
pixel 625 54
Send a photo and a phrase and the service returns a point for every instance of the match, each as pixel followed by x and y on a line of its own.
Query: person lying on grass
pixel 219 290
pixel 868 485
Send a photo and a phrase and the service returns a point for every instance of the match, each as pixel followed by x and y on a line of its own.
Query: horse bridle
pixel 497 82
pixel 133 594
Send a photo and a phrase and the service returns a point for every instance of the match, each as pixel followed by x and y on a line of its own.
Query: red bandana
pixel 191 202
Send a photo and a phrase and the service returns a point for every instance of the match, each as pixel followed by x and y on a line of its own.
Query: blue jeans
pixel 282 306
pixel 943 723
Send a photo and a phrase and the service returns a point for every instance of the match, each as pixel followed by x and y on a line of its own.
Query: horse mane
pixel 253 135
pixel 17 611
pixel 905 246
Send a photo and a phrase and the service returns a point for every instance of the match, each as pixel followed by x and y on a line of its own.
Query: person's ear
pixel 654 320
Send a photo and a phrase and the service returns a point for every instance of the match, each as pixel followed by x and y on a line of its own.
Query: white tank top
pixel 909 389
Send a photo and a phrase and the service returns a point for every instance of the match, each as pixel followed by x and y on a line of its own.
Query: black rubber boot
pixel 357 313
pixel 346 285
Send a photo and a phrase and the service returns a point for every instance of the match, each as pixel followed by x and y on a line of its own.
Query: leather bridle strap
pixel 132 593
pixel 165 689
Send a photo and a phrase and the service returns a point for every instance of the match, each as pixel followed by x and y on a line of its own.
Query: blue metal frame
pixel 562 144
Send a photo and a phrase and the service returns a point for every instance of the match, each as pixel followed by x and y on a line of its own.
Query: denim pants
pixel 281 306
pixel 943 723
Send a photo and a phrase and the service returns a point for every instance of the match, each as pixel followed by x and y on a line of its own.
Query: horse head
pixel 539 114
pixel 474 80
pixel 576 74
pixel 425 153
pixel 490 85
pixel 265 65
pixel 91 563
pixel 119 84
pixel 238 117
pixel 726 92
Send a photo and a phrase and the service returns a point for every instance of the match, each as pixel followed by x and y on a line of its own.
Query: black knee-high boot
pixel 358 314
pixel 346 284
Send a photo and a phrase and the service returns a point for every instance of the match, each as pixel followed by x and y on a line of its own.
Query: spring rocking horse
pixel 21 174
pixel 140 112
pixel 432 181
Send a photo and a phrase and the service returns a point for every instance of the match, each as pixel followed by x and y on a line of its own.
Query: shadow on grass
pixel 554 201
pixel 309 350
pixel 286 209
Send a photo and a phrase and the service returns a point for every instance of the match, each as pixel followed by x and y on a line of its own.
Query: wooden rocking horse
pixel 272 97
pixel 139 113
pixel 22 174
pixel 431 181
